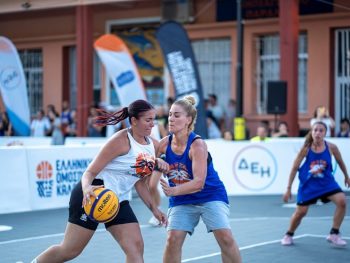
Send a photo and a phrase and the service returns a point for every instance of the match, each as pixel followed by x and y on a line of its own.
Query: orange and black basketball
pixel 144 165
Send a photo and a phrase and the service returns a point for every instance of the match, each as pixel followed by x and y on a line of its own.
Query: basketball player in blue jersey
pixel 194 187
pixel 317 182
pixel 124 161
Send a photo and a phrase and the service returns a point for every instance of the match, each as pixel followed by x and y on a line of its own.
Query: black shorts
pixel 77 214
pixel 323 198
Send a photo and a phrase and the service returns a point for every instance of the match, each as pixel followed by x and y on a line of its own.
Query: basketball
pixel 103 209
pixel 145 164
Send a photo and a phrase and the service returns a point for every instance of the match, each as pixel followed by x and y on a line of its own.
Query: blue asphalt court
pixel 258 224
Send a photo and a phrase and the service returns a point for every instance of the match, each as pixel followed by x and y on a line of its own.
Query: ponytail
pixel 107 118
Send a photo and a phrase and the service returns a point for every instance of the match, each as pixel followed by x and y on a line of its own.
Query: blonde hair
pixel 188 104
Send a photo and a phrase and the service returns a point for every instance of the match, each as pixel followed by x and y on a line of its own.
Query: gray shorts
pixel 215 215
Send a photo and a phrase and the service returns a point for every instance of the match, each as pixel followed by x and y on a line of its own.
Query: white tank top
pixel 120 174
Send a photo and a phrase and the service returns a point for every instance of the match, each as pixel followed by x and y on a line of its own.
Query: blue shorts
pixel 215 215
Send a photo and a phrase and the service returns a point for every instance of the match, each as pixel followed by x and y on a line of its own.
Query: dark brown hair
pixel 134 110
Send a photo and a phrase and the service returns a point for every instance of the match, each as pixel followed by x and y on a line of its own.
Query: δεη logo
pixel 44 180
pixel 9 78
pixel 255 168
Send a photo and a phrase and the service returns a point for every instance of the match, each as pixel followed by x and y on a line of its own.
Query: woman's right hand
pixel 89 191
pixel 287 195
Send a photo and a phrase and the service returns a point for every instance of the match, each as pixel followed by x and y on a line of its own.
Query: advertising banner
pixel 121 68
pixel 54 173
pixel 179 57
pixel 13 88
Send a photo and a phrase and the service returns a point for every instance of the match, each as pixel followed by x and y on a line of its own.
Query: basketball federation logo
pixel 44 173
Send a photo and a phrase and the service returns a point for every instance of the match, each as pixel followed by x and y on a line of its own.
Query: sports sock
pixel 334 231
pixel 290 233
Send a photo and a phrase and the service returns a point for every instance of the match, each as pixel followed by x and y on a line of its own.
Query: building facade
pixel 55 42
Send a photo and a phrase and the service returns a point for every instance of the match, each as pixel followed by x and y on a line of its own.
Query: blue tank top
pixel 316 176
pixel 181 172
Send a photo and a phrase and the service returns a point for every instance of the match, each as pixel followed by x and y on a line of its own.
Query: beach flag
pixel 179 57
pixel 13 88
pixel 121 68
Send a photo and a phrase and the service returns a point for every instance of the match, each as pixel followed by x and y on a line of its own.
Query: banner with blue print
pixel 121 68
pixel 13 88
pixel 179 57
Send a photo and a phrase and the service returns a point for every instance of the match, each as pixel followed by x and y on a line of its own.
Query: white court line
pixel 280 217
pixel 49 236
pixel 324 236
pixel 256 245
pixel 149 226
pixel 242 248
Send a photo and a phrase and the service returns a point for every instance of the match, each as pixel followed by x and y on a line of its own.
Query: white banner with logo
pixel 121 68
pixel 263 168
pixel 14 190
pixel 13 88
pixel 54 171
pixel 34 178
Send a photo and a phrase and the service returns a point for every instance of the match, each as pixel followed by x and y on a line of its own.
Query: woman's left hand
pixel 168 191
pixel 162 218
pixel 347 181
pixel 162 165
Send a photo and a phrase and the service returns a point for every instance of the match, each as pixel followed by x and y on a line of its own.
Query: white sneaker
pixel 153 221
pixel 336 240
pixel 287 240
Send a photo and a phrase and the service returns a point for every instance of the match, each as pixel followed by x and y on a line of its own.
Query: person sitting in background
pixel 282 130
pixel 230 115
pixel 5 125
pixel 344 128
pixel 57 137
pixel 228 136
pixel 71 130
pixel 321 114
pixel 94 130
pixel 213 130
pixel 217 111
pixel 261 134
pixel 40 125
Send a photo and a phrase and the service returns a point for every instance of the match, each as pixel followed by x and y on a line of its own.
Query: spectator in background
pixel 5 125
pixel 40 125
pixel 55 131
pixel 71 130
pixel 261 133
pixel 66 117
pixel 217 111
pixel 94 130
pixel 49 108
pixel 344 128
pixel 213 130
pixel 321 114
pixel 228 136
pixel 230 115
pixel 282 130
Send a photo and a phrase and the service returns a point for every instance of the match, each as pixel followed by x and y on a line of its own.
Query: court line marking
pixel 257 245
pixel 49 236
pixel 241 248
pixel 149 226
